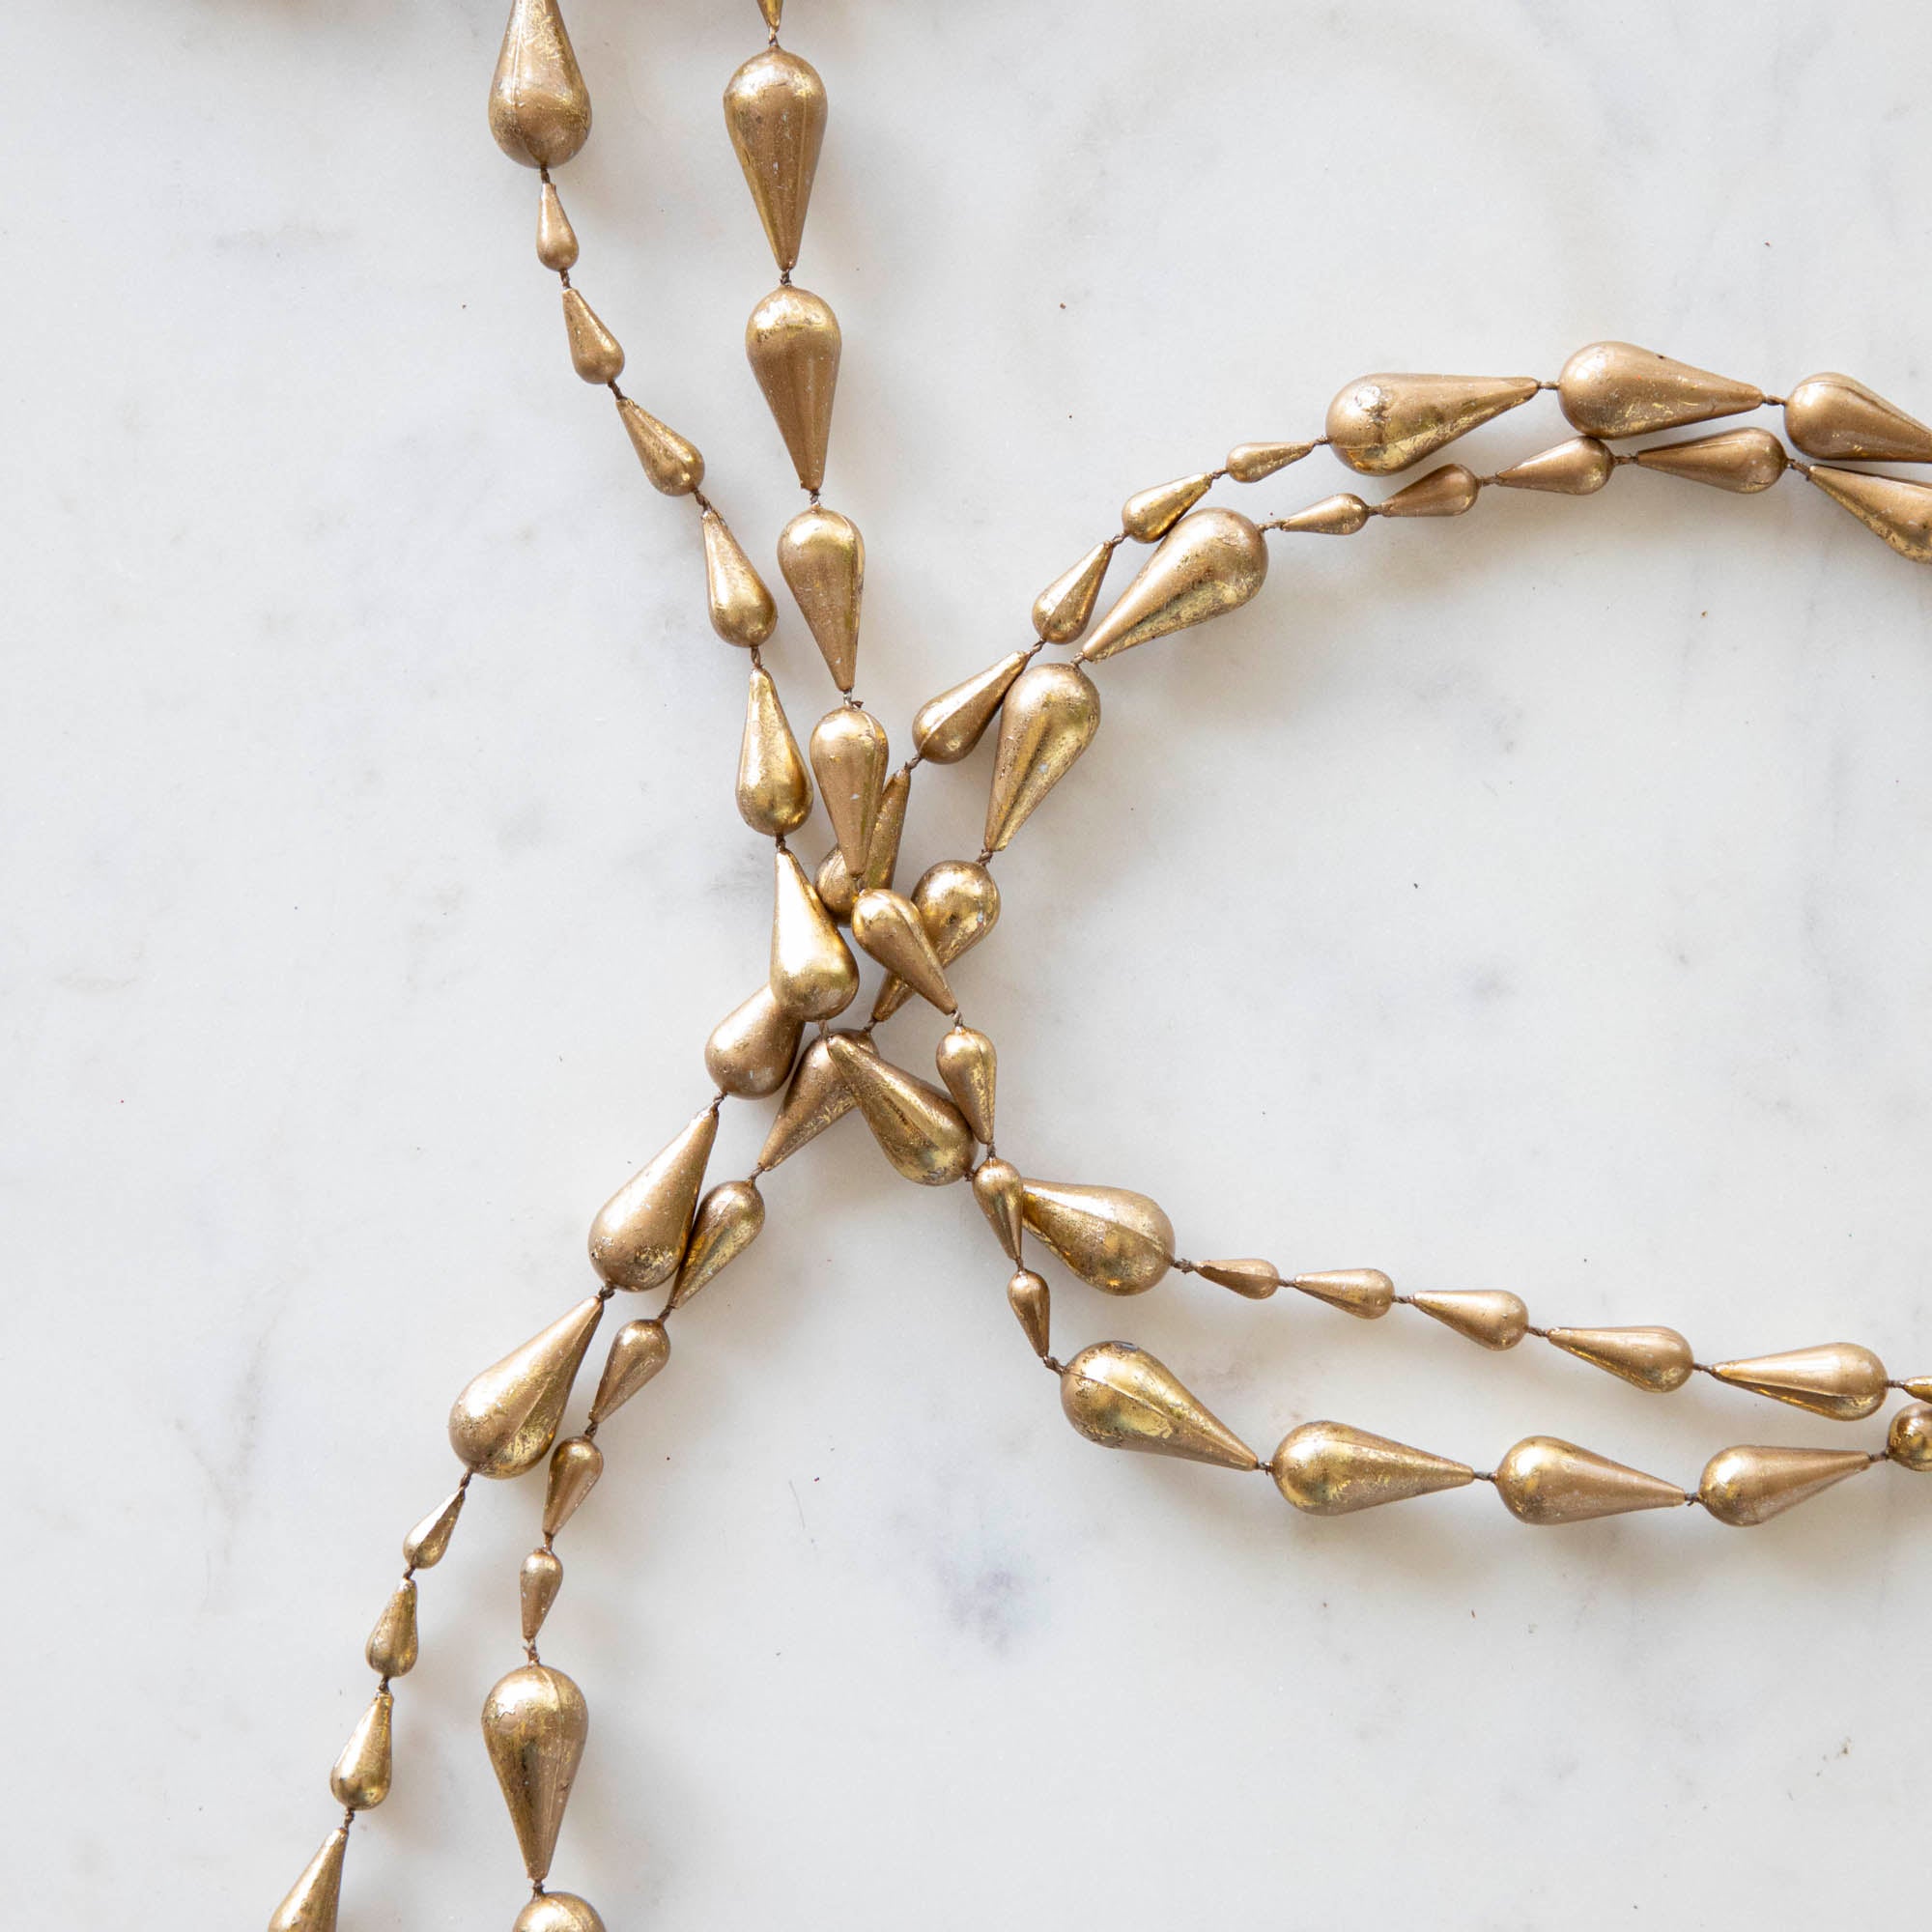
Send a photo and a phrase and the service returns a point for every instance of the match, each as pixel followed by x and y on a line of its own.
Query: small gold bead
pixel 1253 1278
pixel 1491 1318
pixel 537 1583
pixel 575 1466
pixel 1908 1440
pixel 360 1779
pixel 1149 513
pixel 1367 1293
pixel 556 239
pixel 595 353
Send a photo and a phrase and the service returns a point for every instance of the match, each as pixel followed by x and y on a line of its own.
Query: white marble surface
pixel 1533 901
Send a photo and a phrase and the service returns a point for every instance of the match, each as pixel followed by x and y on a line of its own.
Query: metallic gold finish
pixel 1893 507
pixel 1578 467
pixel 1365 1292
pixel 638 1351
pixel 793 345
pixel 1546 1481
pixel 428 1542
pixel 850 754
pixel 539 107
pixel 392 1649
pixel 752 1049
pixel 1118 1240
pixel 1250 462
pixel 742 610
pixel 1031 1302
pixel 813 971
pixel 999 1191
pixel 312 1901
pixel 639 1236
pixel 970 1068
pixel 1210 563
pixel 888 926
pixel 1447 491
pixel 1061 611
pixel 1742 460
pixel 775 108
pixel 1908 1440
pixel 1339 515
pixel 1918 1387
pixel 948 727
pixel 505 1420
pixel 774 12
pixel 961 904
pixel 564 1910
pixel 1838 1380
pixel 674 466
pixel 729 1219
pixel 837 889
pixel 595 353
pixel 1254 1278
pixel 575 1466
pixel 1380 424
pixel 882 855
pixel 1329 1469
pixel 556 239
pixel 823 561
pixel 1149 515
pixel 920 1131
pixel 1615 388
pixel 1048 721
pixel 1491 1318
pixel 534 1725
pixel 1122 1397
pixel 1658 1359
pixel 1748 1486
pixel 816 1098
pixel 537 1583
pixel 1842 421
pixel 774 786
pixel 360 1778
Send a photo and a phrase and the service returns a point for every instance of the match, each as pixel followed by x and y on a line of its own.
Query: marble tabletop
pixel 1533 900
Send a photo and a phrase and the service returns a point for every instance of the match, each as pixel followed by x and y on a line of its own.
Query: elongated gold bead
pixel 1546 1481
pixel 1838 1380
pixel 1001 1192
pixel 672 465
pixel 534 1725
pixel 774 787
pixel 1031 1302
pixel 1247 1276
pixel 1446 492
pixel 948 727
pixel 1209 564
pixel 539 107
pixel 775 109
pixel 638 1351
pixel 1491 1318
pixel 575 1466
pixel 816 1098
pixel 1327 1468
pixel 812 972
pixel 1112 1238
pixel 969 1068
pixel 638 1235
pixel 1615 388
pixel 1251 462
pixel 888 926
pixel 1750 1485
pixel 314 1899
pixel 774 12
pixel 1918 1387
pixel 1893 507
pixel 822 558
pixel 595 353
pixel 1742 460
pixel 751 1050
pixel 1380 424
pixel 961 904
pixel 1842 421
pixel 793 344
pixel 1578 467
pixel 1338 516
pixel 428 1542
pixel 1121 1396
pixel 1149 515
pixel 729 1219
pixel 360 1779
pixel 556 239
pixel 1908 1440
pixel 1658 1359
pixel 850 754
pixel 392 1649
pixel 505 1420
pixel 1049 718
pixel 742 610
pixel 918 1127
pixel 1367 1293
pixel 882 855
pixel 1062 609
pixel 564 1910
pixel 538 1581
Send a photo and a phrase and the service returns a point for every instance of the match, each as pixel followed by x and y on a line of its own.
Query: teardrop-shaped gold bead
pixel 638 1235
pixel 1578 467
pixel 1838 1380
pixel 1546 1481
pixel 1329 1468
pixel 1118 1240
pixel 1250 462
pixel 539 107
pixel 505 1420
pixel 556 239
pixel 970 1068
pixel 1338 516
pixel 1841 420
pixel 1750 1484
pixel 360 1778
pixel 882 855
pixel 742 610
pixel 1122 1397
pixel 920 1131
pixel 1742 460
pixel 813 971
pixel 638 1351
pixel 1209 563
pixel 1249 1275
pixel 1658 1359
pixel 816 1098
pixel 1061 610
pixel 1446 492
pixel 1893 507
pixel 534 1725
pixel 1908 1441
pixel 1491 1318
pixel 1364 1292
pixel 775 109
pixel 1031 1302
pixel 1918 1387
pixel 575 1466
pixel 948 727
pixel 774 786
pixel 793 344
pixel 1149 515
pixel 774 12
pixel 888 926
pixel 314 1899
pixel 752 1049
pixel 392 1649
pixel 1383 423
pixel 672 465
pixel 729 1219
pixel 822 558
pixel 961 904
pixel 595 353
pixel 850 754
pixel 1615 388
pixel 1001 1192
pixel 538 1581
pixel 428 1542
pixel 1047 722
pixel 564 1910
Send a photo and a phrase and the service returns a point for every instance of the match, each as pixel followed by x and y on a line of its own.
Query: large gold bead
pixel 774 786
pixel 1742 460
pixel 889 926
pixel 742 610
pixel 1893 507
pixel 1209 563
pixel 1908 1440
pixel 1367 1293
pixel 1061 610
pixel 534 1725
pixel 1544 1479
pixel 920 1130
pixel 1119 1241
pixel 793 344
pixel 539 107
pixel 729 1221
pixel 1380 424
pixel 948 727
pixel 1615 388
pixel 595 353
pixel 849 753
pixel 638 1235
pixel 576 1465
pixel 1048 721
pixel 813 971
pixel 564 1910
pixel 1578 467
pixel 752 1049
pixel 312 1902
pixel 1329 1468
pixel 1842 421
pixel 360 1778
pixel 816 1098
pixel 775 109
pixel 672 463
pixel 1838 1380
pixel 505 1420
pixel 638 1351
pixel 970 1068
pixel 1490 1317
pixel 1750 1484
pixel 1658 1359
pixel 392 1649
pixel 822 558
pixel 961 904
pixel 1122 1397
pixel 1149 515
